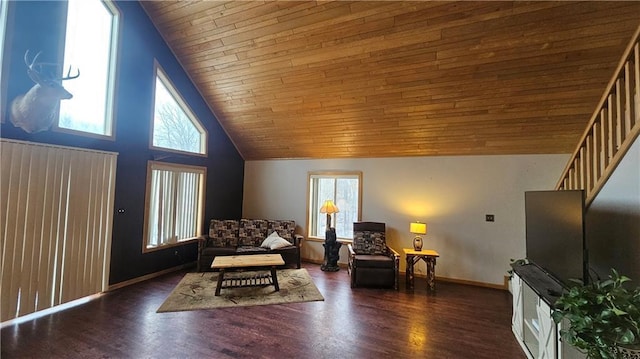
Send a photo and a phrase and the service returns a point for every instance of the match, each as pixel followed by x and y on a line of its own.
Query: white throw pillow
pixel 274 241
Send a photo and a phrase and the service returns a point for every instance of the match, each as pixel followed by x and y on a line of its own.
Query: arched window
pixel 174 126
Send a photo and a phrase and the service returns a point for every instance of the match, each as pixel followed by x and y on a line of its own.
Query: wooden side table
pixel 429 257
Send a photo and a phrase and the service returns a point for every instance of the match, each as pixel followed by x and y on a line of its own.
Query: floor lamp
pixel 331 244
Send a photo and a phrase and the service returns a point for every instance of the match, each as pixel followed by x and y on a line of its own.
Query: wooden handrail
pixel 613 128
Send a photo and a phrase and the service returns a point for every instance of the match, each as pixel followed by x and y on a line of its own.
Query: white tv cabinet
pixel 534 293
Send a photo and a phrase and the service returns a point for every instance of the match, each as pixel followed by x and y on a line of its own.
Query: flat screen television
pixel 555 233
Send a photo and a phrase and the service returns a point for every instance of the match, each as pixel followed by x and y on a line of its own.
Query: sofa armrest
pixel 297 240
pixel 350 263
pixel 395 256
pixel 396 264
pixel 202 242
pixel 351 251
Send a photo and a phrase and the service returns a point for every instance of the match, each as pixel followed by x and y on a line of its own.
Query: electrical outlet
pixel 489 218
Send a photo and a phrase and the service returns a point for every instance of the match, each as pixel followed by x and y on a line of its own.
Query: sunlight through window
pixel 344 189
pixel 175 127
pixel 89 48
pixel 4 9
pixel 175 195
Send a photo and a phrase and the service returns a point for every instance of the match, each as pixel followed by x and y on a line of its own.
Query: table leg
pixel 409 272
pixel 274 277
pixel 220 280
pixel 431 274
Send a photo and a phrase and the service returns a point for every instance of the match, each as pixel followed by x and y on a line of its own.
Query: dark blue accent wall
pixel 39 26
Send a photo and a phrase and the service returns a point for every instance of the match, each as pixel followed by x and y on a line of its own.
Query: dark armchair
pixel 371 261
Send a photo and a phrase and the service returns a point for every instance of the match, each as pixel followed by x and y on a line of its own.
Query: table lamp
pixel 418 229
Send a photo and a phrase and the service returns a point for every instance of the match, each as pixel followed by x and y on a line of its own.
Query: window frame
pixel 313 200
pixel 4 30
pixel 157 165
pixel 161 74
pixel 110 103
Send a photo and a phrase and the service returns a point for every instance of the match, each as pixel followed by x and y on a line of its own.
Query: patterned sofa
pixel 245 236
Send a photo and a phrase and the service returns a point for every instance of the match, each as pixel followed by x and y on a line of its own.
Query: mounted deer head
pixel 35 110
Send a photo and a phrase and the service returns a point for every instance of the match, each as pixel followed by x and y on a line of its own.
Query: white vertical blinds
pixel 55 224
pixel 175 203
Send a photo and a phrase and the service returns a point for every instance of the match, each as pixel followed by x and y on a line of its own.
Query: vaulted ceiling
pixel 333 79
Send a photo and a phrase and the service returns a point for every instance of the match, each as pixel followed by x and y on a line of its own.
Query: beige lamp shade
pixel 418 228
pixel 329 207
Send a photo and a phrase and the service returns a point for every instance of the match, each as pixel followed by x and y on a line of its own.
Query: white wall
pixel 451 194
pixel 613 220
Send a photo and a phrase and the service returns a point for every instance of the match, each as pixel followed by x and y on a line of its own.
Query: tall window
pixel 4 9
pixel 175 127
pixel 344 188
pixel 175 202
pixel 90 47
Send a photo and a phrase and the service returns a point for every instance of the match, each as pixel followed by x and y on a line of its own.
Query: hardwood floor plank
pixel 459 321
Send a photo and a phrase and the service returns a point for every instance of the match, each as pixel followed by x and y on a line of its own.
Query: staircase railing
pixel 613 128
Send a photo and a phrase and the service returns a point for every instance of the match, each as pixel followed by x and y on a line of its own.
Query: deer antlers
pixel 37 76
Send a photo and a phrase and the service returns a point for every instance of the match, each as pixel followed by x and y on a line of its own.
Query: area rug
pixel 196 291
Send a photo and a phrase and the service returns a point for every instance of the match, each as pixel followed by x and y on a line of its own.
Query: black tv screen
pixel 555 233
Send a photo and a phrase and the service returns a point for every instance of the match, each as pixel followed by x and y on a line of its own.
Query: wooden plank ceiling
pixel 333 79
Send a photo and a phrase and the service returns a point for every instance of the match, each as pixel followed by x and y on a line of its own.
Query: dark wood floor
pixel 458 322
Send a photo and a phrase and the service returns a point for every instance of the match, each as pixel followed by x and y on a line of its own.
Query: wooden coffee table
pixel 247 261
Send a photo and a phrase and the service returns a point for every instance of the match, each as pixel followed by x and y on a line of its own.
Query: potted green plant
pixel 604 317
